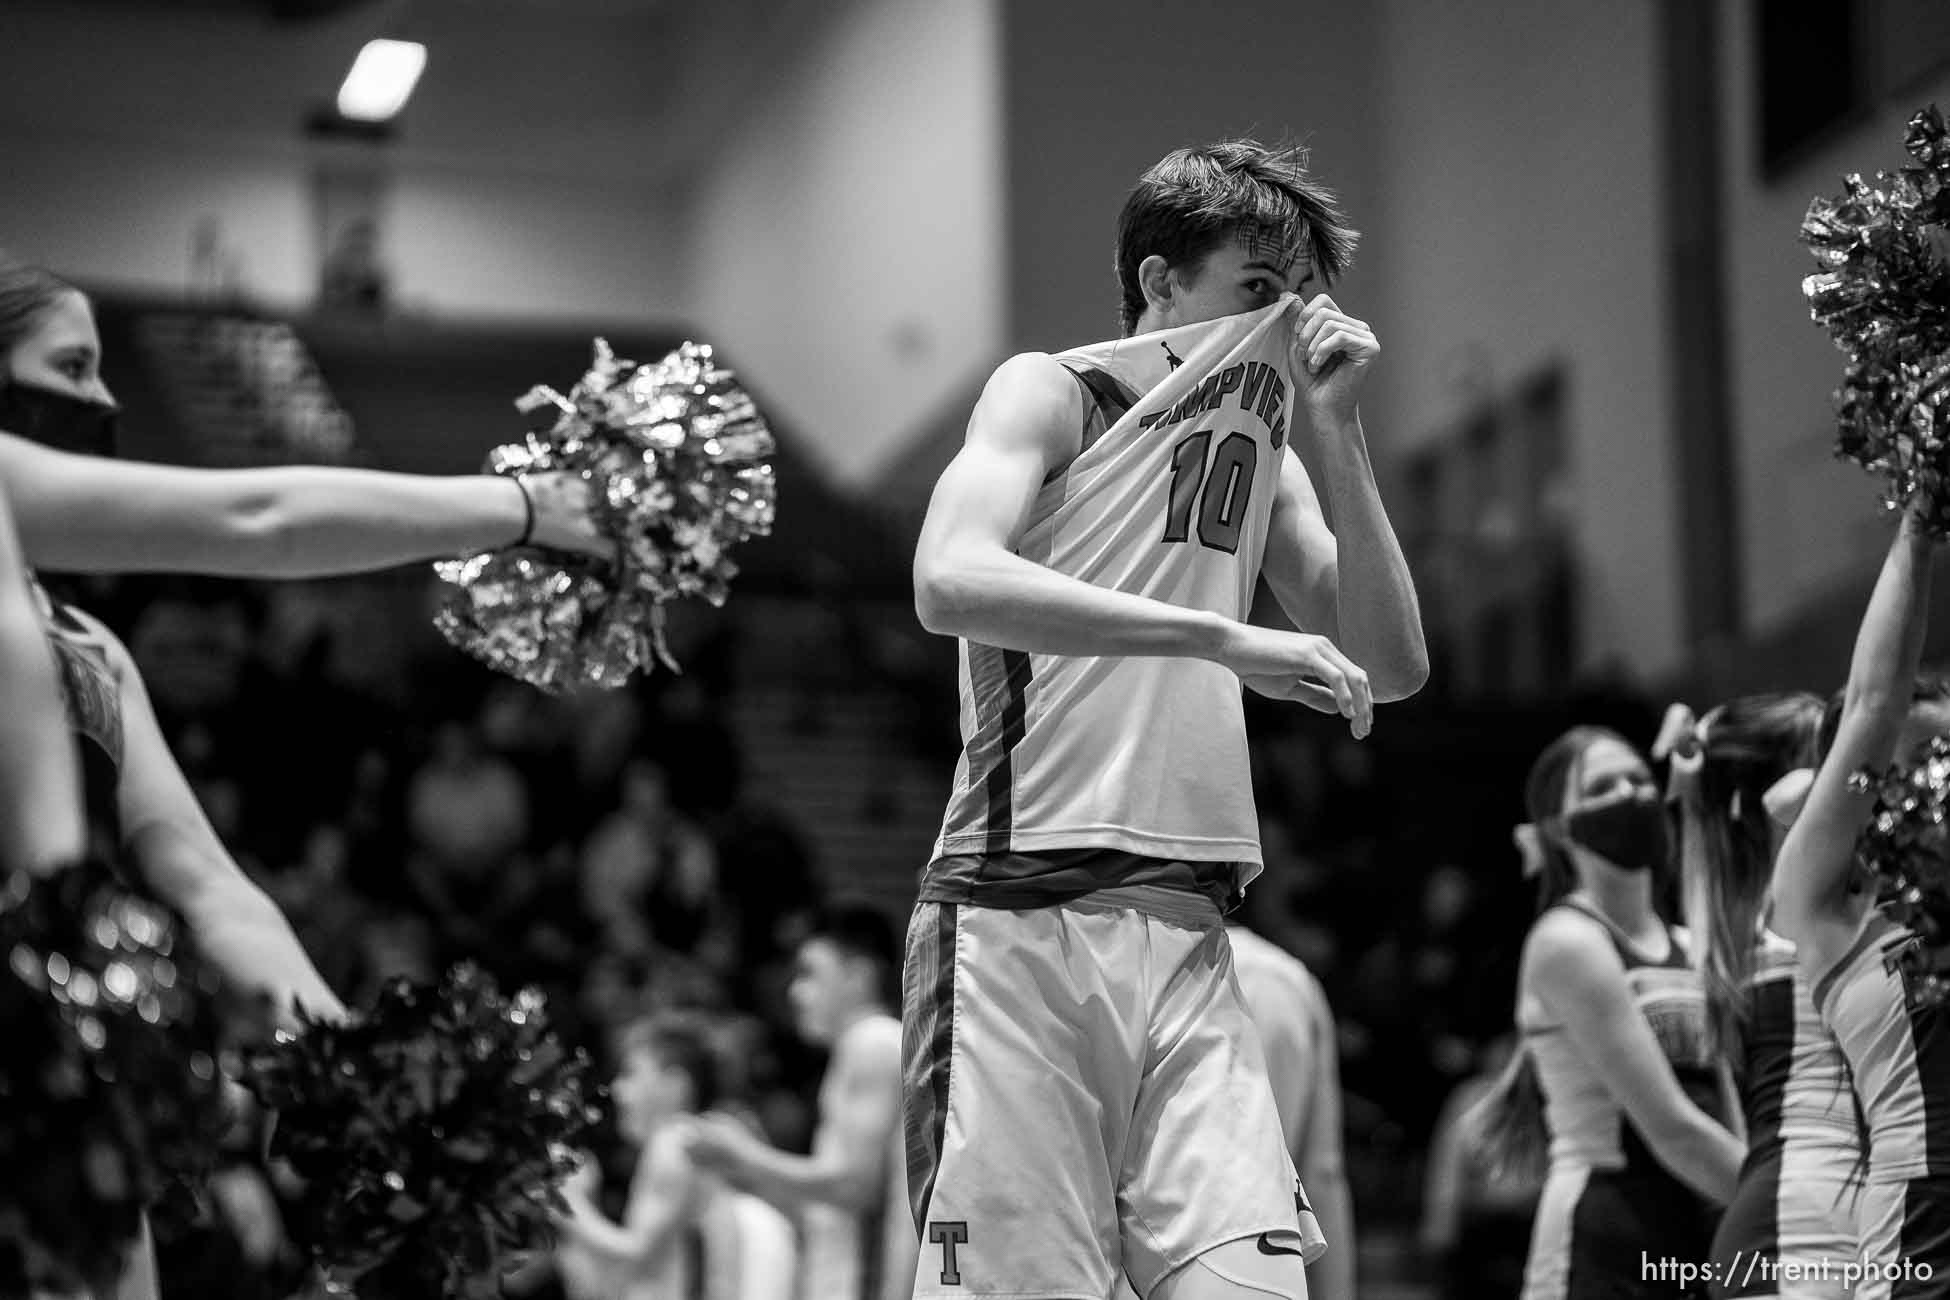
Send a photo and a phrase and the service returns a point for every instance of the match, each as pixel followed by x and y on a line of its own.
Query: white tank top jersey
pixel 1185 432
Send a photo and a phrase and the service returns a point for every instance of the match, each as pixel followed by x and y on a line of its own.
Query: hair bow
pixel 1530 843
pixel 1682 741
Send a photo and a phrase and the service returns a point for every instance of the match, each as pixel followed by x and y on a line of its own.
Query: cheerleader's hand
pixel 563 518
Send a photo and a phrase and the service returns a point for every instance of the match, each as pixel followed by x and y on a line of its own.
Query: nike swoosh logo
pixel 1266 1247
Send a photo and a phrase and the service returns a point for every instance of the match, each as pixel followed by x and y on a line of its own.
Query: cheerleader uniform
pixel 1790 1227
pixel 1608 1206
pixel 1900 1057
pixel 93 699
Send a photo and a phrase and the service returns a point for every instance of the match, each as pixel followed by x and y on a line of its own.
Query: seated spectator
pixel 467 823
pixel 650 876
pixel 330 917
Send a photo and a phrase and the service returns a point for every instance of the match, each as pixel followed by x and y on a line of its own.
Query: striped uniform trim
pixel 928 1025
pixel 1769 1051
pixel 1113 401
pixel 999 683
pixel 1106 400
pixel 1826 984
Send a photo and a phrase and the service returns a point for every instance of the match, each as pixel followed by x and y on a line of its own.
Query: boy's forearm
pixel 1379 615
pixel 1011 603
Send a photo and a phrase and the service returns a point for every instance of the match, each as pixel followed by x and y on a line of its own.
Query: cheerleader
pixel 1614 1051
pixel 82 512
pixel 1898 1053
pixel 1790 1226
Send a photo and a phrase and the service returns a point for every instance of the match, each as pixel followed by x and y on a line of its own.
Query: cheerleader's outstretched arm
pixel 88 514
pixel 1813 902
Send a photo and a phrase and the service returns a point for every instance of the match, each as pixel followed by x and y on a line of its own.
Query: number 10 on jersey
pixel 1218 495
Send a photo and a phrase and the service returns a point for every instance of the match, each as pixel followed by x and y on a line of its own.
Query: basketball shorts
pixel 1084 1094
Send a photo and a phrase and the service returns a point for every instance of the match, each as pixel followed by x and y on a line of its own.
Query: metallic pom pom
pixel 1883 295
pixel 108 1080
pixel 675 455
pixel 1906 845
pixel 431 1130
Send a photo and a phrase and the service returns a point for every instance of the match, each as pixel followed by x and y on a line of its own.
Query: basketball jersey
pixel 1587 1123
pixel 843 1251
pixel 1169 497
pixel 1899 1055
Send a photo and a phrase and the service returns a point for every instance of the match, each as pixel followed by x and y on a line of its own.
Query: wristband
pixel 528 507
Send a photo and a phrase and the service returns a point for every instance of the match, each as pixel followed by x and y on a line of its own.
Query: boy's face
pixel 1244 274
pixel 820 991
pixel 646 1093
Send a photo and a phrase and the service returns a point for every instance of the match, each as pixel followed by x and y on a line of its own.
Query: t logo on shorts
pixel 947 1236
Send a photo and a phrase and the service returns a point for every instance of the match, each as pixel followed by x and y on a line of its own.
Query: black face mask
pixel 1628 833
pixel 58 420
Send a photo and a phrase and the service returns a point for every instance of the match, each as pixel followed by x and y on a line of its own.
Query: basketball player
pixel 1289 1011
pixel 1084 1090
pixel 1297 1032
pixel 850 1192
pixel 666 1073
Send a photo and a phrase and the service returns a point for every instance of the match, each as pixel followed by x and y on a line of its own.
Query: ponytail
pixel 1721 774
pixel 1509 1122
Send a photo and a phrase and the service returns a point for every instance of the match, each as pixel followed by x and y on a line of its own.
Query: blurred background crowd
pixel 1601 421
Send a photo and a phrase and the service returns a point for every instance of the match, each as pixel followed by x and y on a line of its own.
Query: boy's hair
pixel 857 930
pixel 1193 200
pixel 679 1045
pixel 1726 842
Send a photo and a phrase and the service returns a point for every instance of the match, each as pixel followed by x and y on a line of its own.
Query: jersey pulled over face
pixel 1170 497
pixel 1248 272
